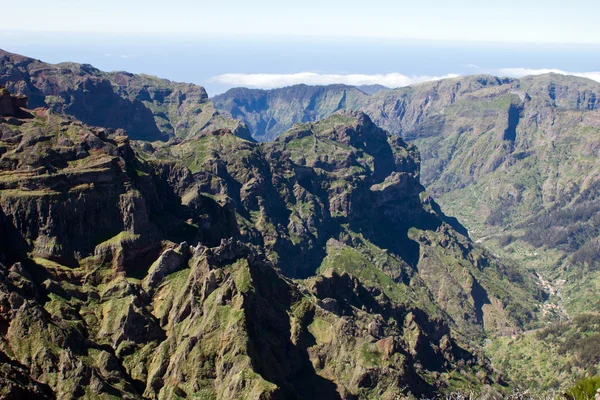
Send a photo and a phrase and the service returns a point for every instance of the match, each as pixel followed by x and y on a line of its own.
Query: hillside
pixel 516 161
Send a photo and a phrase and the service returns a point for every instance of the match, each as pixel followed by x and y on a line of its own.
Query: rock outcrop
pixel 168 262
pixel 11 105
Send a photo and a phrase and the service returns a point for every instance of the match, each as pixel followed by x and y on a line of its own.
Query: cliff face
pixel 269 113
pixel 163 270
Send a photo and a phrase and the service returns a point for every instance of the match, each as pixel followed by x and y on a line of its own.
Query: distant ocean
pixel 197 59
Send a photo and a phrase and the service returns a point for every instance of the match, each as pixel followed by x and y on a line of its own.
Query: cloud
pixel 269 81
pixel 116 55
pixel 519 72
pixel 392 80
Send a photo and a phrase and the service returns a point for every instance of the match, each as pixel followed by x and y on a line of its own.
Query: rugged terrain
pixel 201 263
pixel 515 160
pixel 164 270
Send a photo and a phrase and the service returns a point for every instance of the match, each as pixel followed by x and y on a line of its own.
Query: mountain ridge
pixel 515 160
pixel 148 107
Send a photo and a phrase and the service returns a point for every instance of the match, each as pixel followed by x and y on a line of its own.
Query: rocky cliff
pixel 11 105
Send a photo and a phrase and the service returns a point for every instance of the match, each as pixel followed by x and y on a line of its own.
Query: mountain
pixel 516 161
pixel 213 266
pixel 149 108
pixel 372 89
pixel 269 113
pixel 501 154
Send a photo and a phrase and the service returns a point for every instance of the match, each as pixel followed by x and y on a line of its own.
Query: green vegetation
pixel 552 357
pixel 584 389
pixel 354 263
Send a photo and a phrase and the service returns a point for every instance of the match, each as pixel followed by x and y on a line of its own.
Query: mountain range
pixel 510 158
pixel 515 160
pixel 154 248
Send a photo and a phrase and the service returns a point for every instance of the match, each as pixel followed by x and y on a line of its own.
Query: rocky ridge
pixel 147 107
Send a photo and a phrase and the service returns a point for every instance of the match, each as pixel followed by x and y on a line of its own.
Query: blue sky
pixel 263 43
pixel 505 21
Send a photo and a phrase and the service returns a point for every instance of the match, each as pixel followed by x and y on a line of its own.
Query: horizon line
pixel 277 37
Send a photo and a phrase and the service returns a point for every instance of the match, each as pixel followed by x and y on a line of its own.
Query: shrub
pixel 505 240
pixel 585 389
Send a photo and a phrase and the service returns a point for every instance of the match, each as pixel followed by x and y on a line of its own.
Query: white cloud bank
pixel 392 80
pixel 519 72
pixel 270 81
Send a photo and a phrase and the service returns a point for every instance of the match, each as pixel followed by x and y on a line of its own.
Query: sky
pixel 267 44
pixel 549 21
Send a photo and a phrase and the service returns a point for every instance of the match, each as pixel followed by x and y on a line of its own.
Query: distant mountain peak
pixel 372 89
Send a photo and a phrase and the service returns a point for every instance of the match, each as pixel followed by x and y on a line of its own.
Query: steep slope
pixel 408 110
pixel 343 182
pixel 147 107
pixel 97 299
pixel 531 175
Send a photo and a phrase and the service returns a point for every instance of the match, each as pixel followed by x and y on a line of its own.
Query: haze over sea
pixel 221 62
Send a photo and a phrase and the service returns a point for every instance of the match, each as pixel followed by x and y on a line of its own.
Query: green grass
pixel 241 275
pixel 370 355
pixel 354 263
pixel 322 331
